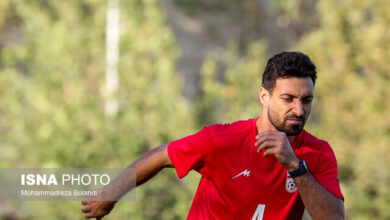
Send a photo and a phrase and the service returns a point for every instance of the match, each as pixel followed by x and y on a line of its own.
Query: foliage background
pixel 52 61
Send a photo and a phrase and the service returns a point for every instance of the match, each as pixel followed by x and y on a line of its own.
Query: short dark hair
pixel 287 64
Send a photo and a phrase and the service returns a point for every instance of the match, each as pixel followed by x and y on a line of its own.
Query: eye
pixel 287 99
pixel 307 100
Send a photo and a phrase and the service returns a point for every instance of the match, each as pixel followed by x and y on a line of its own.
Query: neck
pixel 263 124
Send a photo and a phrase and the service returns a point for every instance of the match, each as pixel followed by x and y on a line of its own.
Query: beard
pixel 282 126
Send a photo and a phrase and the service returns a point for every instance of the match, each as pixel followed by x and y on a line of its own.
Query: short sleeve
pixel 189 153
pixel 327 173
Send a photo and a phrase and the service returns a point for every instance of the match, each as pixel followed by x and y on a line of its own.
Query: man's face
pixel 289 104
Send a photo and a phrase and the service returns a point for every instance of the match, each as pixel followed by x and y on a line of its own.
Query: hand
pixel 277 143
pixel 93 207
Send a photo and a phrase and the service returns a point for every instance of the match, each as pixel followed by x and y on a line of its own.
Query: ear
pixel 264 96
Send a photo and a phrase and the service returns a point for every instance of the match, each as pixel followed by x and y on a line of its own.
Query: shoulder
pixel 238 127
pixel 313 145
pixel 232 136
pixel 312 141
pixel 317 151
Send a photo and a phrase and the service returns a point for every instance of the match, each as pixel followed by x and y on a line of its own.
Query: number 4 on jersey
pixel 259 212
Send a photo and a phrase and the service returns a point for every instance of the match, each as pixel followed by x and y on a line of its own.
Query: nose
pixel 298 109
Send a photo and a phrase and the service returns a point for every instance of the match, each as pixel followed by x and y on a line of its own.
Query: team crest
pixel 290 184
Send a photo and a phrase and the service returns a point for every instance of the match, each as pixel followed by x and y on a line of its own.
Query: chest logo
pixel 246 173
pixel 290 184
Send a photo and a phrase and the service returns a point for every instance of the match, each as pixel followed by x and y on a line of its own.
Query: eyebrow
pixel 287 94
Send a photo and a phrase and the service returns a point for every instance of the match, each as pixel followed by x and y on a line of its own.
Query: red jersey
pixel 239 183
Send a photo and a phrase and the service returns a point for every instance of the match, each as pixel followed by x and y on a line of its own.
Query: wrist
pixel 294 165
pixel 301 170
pixel 110 193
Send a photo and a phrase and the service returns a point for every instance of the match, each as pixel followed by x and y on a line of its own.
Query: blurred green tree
pixel 52 101
pixel 4 6
pixel 230 84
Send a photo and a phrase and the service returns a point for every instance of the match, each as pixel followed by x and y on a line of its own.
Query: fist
pixel 277 143
pixel 96 207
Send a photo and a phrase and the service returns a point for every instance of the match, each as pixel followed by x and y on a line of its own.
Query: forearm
pixel 139 172
pixel 320 203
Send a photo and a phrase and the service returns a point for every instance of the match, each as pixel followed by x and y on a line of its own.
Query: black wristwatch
pixel 302 169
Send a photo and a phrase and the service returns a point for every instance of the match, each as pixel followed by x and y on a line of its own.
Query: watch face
pixel 304 164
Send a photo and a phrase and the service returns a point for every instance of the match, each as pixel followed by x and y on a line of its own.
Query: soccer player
pixel 268 167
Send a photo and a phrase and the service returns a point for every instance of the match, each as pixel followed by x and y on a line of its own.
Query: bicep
pixel 155 158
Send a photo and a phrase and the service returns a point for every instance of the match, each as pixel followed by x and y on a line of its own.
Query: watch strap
pixel 302 169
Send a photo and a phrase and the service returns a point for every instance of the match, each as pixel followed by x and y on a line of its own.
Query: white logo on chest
pixel 290 184
pixel 244 173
